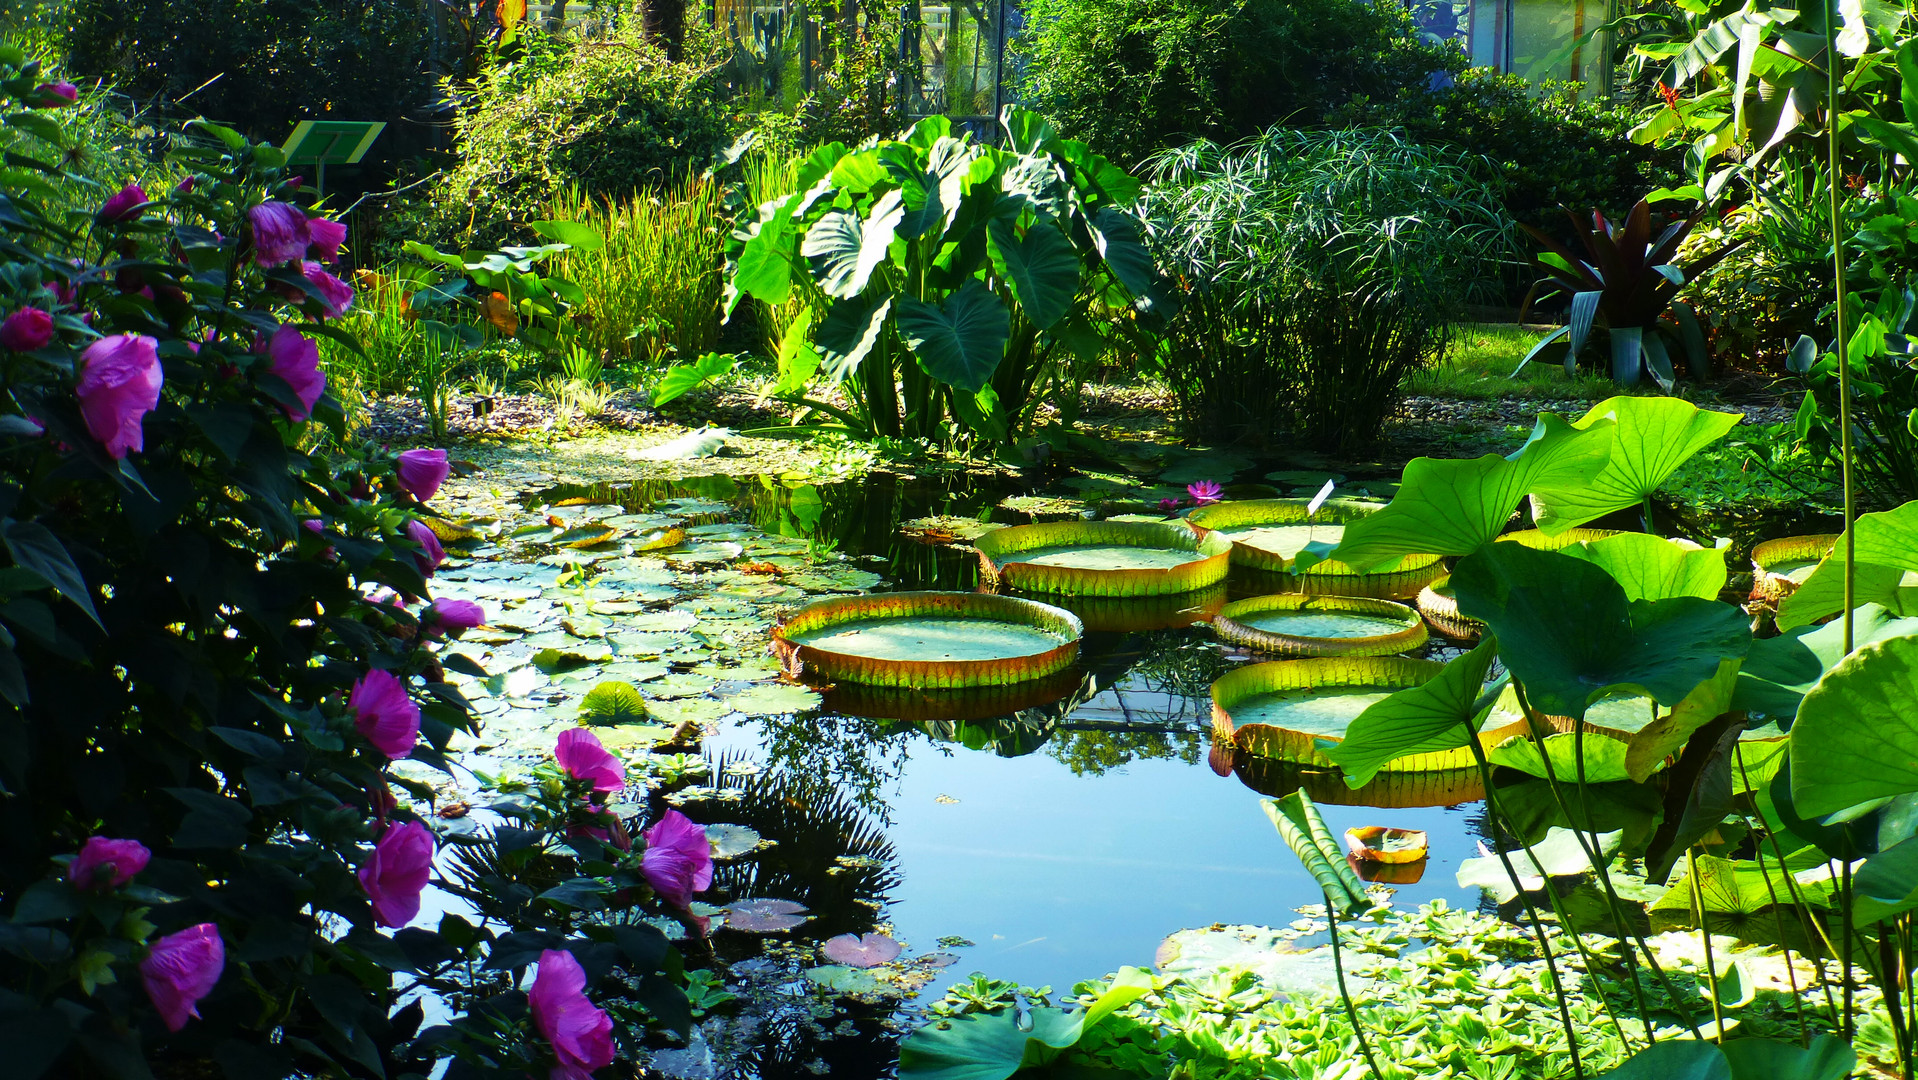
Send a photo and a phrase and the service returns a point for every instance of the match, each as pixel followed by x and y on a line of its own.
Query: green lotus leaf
pixel 613 702
pixel 993 1046
pixel 1687 1059
pixel 1306 833
pixel 1781 670
pixel 1560 854
pixel 1886 548
pixel 1569 635
pixel 1653 568
pixel 1856 738
pixel 959 340
pixel 1425 719
pixel 1604 758
pixel 1455 507
pixel 1827 1058
pixel 1651 438
pixel 1747 886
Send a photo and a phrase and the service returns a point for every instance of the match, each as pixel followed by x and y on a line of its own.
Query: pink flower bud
pixel 182 968
pixel 107 864
pixel 122 205
pixel 455 616
pixel 335 295
pixel 421 472
pixel 119 384
pixel 297 360
pixel 579 753
pixel 580 1032
pixel 56 95
pixel 430 559
pixel 279 233
pixel 397 872
pixel 385 714
pixel 678 860
pixel 26 330
pixel 185 187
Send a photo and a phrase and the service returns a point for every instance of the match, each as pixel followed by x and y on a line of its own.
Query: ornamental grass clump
pixel 217 632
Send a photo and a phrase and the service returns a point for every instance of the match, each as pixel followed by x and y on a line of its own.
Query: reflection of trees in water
pixel 843 757
pixel 1095 752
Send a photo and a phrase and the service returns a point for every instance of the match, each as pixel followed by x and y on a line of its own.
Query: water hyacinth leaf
pixel 1456 506
pixel 1653 568
pixel 1561 854
pixel 612 702
pixel 765 915
pixel 1856 738
pixel 1569 635
pixel 993 1046
pixel 861 951
pixel 959 340
pixel 1827 1058
pixel 1682 1059
pixel 1305 832
pixel 1424 719
pixel 1651 438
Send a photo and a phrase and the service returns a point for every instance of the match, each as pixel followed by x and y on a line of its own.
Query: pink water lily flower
pixel 1167 506
pixel 104 863
pixel 121 205
pixel 26 330
pixel 335 295
pixel 421 472
pixel 397 872
pixel 679 858
pixel 385 714
pixel 326 236
pixel 453 616
pixel 430 559
pixel 280 233
pixel 120 381
pixel 297 360
pixel 1205 492
pixel 182 968
pixel 580 753
pixel 580 1033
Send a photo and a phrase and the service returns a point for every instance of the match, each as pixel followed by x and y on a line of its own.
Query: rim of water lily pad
pixel 1767 585
pixel 1363 842
pixel 924 705
pixel 1138 614
pixel 1540 540
pixel 1400 584
pixel 1344 672
pixel 1386 791
pixel 1230 629
pixel 1211 558
pixel 802 660
pixel 1239 513
pixel 1440 608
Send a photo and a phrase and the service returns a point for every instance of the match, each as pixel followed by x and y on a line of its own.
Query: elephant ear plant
pixel 216 638
pixel 1623 287
pixel 940 278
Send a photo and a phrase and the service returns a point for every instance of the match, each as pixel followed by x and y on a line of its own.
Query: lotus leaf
pixel 1427 719
pixel 1827 1058
pixel 1569 635
pixel 1305 832
pixel 1676 1060
pixel 1455 507
pixel 612 703
pixel 1604 758
pixel 1651 438
pixel 1856 738
pixel 1560 854
pixel 1652 568
pixel 1780 670
pixel 1746 886
pixel 993 1046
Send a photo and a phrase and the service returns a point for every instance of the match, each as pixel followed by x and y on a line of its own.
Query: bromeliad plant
pixel 939 277
pixel 1624 288
pixel 215 641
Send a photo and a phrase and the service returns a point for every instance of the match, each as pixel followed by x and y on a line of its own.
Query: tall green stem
pixel 1345 995
pixel 1835 182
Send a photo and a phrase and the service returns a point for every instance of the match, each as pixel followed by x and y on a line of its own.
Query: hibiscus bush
pixel 217 634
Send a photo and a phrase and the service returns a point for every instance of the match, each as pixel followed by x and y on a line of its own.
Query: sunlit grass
pixel 1479 366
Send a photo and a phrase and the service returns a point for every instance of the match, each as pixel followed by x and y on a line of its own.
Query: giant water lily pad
pixel 1298 625
pixel 1780 565
pixel 1294 710
pixel 1270 534
pixel 927 639
pixel 1103 558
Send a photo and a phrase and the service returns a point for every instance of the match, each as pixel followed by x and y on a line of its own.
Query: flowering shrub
pixel 212 648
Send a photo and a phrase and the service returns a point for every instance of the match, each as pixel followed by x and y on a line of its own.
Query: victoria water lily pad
pixel 1103 558
pixel 1298 625
pixel 1381 843
pixel 764 915
pixel 870 950
pixel 927 639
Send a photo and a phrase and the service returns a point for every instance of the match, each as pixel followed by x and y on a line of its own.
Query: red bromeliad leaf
pixel 871 950
pixel 765 916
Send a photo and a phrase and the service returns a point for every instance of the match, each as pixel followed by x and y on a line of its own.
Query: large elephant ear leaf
pixel 1122 246
pixel 1042 267
pixel 848 333
pixel 1856 738
pixel 959 340
pixel 1026 131
pixel 1651 438
pixel 1306 833
pixel 848 249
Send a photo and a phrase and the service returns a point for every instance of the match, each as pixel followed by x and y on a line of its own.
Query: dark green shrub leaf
pixel 34 547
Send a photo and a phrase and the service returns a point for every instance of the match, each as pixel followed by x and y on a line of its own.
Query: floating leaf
pixel 613 703
pixel 773 699
pixel 659 539
pixel 871 950
pixel 659 621
pixel 851 980
pixel 731 841
pixel 765 915
pixel 585 536
pixel 936 959
pixel 679 685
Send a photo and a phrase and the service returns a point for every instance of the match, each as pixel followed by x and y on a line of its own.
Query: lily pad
pixel 868 951
pixel 586 536
pixel 613 702
pixel 765 915
pixel 1219 467
pixel 693 556
pixel 731 841
pixel 679 685
pixel 851 980
pixel 659 621
pixel 773 699
pixel 697 710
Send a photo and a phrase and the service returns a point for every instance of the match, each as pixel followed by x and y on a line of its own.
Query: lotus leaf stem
pixel 1704 937
pixel 1345 995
